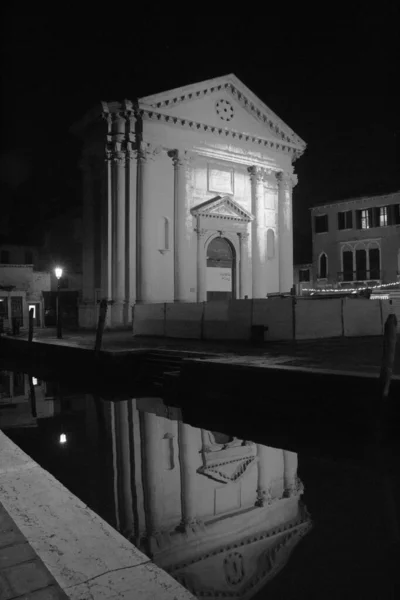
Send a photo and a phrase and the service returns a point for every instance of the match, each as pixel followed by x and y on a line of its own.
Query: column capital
pixel 180 158
pixel 243 235
pixel 287 179
pixel 201 232
pixel 256 173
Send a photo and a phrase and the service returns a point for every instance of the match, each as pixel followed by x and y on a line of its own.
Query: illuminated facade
pixel 356 242
pixel 221 515
pixel 193 202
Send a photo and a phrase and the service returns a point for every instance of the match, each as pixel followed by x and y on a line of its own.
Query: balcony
pixel 360 275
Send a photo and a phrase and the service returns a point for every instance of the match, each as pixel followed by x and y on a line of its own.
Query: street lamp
pixel 58 271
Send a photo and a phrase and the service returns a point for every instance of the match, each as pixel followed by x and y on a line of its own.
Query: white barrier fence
pixel 286 318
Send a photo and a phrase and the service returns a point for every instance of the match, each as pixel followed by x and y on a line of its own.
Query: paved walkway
pixel 347 354
pixel 22 574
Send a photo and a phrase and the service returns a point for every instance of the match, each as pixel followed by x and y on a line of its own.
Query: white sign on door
pixel 219 279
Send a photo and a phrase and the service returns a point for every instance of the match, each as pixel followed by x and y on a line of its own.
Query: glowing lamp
pixel 63 438
pixel 58 271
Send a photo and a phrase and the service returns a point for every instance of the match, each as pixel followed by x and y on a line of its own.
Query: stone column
pixel 118 231
pixel 264 471
pixel 130 229
pixel 146 175
pixel 259 289
pixel 150 438
pixel 286 182
pixel 188 456
pixel 244 264
pixel 182 231
pixel 125 501
pixel 201 264
pixel 291 482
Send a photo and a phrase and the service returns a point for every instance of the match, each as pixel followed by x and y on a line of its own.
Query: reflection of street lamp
pixel 58 271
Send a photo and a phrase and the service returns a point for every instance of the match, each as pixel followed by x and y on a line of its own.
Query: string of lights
pixel 350 290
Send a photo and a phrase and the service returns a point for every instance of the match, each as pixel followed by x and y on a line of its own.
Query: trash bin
pixel 257 333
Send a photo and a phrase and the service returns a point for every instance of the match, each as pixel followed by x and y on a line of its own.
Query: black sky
pixel 329 73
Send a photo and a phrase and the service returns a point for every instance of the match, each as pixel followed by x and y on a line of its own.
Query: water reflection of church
pixel 221 515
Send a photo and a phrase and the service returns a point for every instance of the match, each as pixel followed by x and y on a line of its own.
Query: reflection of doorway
pixel 16 309
pixel 221 270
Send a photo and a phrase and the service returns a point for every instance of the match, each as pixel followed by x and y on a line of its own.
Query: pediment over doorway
pixel 222 207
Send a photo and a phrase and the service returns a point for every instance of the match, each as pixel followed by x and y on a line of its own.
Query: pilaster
pixel 181 161
pixel 188 456
pixel 259 288
pixel 286 182
pixel 244 238
pixel 201 264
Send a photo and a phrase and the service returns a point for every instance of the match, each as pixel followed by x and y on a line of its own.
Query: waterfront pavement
pixel 23 574
pixel 362 354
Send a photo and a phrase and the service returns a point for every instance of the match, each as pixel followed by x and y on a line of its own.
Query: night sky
pixel 330 75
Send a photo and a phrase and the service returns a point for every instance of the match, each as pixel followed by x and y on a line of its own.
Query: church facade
pixel 193 201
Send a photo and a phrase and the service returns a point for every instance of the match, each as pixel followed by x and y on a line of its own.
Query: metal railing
pixel 360 275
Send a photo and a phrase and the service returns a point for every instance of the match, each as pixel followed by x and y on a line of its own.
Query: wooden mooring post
pixel 383 459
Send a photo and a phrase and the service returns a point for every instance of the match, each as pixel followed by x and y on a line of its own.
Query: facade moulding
pixel 276 145
pixel 230 157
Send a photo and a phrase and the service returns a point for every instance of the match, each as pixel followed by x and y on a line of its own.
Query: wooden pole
pixel 388 356
pixel 100 326
pixel 30 332
pixel 383 459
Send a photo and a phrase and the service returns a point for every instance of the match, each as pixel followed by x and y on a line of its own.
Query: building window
pixel 347 265
pixel 365 219
pixel 28 257
pixel 270 244
pixel 374 263
pixel 394 214
pixel 345 219
pixel 323 266
pixel 321 224
pixel 383 217
pixel 5 257
pixel 361 264
pixel 304 275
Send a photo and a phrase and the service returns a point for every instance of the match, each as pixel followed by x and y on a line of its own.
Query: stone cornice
pixel 276 145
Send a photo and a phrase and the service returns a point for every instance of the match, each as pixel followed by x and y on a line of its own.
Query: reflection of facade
pixel 15 400
pixel 219 514
pixel 184 168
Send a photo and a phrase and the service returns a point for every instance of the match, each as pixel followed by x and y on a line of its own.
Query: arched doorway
pixel 221 270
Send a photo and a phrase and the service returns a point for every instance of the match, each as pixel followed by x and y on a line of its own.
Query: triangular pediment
pixel 224 103
pixel 240 570
pixel 222 207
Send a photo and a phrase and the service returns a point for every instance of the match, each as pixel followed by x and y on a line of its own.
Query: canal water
pixel 225 516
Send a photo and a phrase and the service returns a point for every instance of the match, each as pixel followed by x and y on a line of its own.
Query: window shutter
pixel 349 224
pixel 358 219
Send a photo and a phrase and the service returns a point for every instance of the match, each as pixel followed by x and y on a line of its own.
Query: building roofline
pixel 354 199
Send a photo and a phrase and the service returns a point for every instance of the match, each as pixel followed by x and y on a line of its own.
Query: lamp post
pixel 58 271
